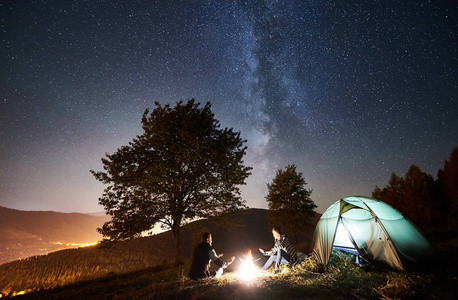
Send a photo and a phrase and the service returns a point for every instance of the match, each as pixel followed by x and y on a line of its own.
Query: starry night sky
pixel 349 91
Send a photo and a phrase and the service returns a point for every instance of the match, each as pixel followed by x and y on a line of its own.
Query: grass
pixel 72 265
pixel 342 280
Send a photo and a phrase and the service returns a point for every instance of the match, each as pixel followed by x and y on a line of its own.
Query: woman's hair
pixel 277 229
pixel 205 236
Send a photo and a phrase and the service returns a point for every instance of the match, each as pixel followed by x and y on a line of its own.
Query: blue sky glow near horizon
pixel 348 91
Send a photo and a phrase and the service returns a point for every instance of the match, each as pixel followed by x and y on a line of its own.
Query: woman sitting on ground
pixel 282 252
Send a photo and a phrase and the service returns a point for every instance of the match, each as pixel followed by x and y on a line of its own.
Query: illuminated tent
pixel 371 229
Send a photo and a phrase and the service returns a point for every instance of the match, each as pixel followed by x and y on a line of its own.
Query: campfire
pixel 248 270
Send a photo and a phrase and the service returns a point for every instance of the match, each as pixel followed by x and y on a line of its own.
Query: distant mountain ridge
pixel 28 233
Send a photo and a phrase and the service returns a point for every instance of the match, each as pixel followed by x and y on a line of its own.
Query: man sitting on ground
pixel 203 255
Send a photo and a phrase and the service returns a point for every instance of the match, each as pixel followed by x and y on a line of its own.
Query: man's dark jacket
pixel 201 262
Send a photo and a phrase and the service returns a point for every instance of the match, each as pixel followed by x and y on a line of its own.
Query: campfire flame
pixel 247 270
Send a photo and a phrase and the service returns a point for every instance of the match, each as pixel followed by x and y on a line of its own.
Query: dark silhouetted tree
pixel 290 205
pixel 392 192
pixel 430 204
pixel 447 188
pixel 411 195
pixel 182 167
pixel 418 201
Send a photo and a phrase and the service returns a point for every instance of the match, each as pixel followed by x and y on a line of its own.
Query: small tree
pixel 289 202
pixel 427 202
pixel 418 201
pixel 182 167
pixel 447 184
pixel 411 195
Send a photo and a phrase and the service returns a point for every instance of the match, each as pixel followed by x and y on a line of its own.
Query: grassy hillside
pixel 27 233
pixel 233 234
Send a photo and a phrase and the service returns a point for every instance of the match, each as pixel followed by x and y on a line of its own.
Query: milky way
pixel 349 91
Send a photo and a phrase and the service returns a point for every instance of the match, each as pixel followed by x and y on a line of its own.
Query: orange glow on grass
pixel 18 293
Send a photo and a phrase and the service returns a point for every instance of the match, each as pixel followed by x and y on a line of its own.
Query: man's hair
pixel 277 229
pixel 205 236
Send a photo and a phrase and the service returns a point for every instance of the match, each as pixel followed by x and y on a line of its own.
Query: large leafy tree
pixel 289 202
pixel 183 166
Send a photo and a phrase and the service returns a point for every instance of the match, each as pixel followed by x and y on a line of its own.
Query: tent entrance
pixel 342 240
